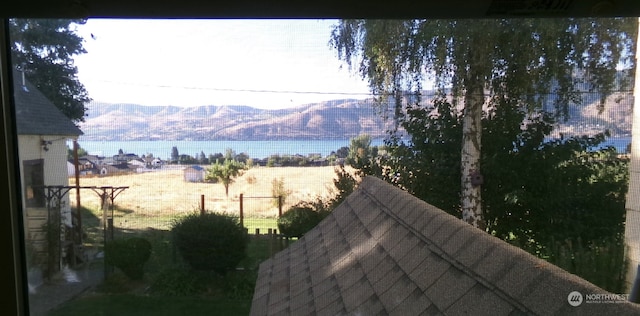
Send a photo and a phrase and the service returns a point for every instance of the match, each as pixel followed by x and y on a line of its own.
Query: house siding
pixel 55 173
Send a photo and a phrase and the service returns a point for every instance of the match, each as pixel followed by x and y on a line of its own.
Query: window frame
pixel 13 261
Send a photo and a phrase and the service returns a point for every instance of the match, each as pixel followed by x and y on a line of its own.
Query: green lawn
pixel 135 305
pixel 229 295
pixel 262 223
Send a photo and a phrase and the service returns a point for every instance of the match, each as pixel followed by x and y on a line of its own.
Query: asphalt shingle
pixel 36 115
pixel 385 252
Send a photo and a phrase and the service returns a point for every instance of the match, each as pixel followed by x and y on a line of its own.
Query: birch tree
pixel 474 62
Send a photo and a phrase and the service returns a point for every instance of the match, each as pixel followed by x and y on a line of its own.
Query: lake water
pixel 620 143
pixel 255 149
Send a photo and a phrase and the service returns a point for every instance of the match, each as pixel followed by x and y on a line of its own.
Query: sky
pixel 260 63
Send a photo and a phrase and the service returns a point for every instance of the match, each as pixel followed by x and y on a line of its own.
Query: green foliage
pixel 44 49
pixel 116 284
pixel 344 183
pixel 210 241
pixel 342 152
pixel 305 215
pixel 518 58
pixel 360 151
pixel 225 172
pixel 602 262
pixel 537 189
pixel 299 219
pixel 177 282
pixel 132 305
pixel 128 255
pixel 240 285
pixel 479 64
pixel 81 152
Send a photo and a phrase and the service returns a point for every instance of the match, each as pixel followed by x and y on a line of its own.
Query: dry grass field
pixel 154 198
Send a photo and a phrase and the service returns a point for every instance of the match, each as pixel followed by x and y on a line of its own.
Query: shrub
pixel 298 220
pixel 251 179
pixel 177 282
pixel 278 190
pixel 210 241
pixel 128 255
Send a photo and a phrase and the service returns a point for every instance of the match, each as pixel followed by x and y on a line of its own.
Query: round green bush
pixel 128 255
pixel 298 220
pixel 210 242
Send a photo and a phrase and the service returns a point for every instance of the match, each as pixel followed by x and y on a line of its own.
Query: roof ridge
pixel 445 255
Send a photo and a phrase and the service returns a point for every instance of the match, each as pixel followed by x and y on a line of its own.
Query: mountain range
pixel 336 119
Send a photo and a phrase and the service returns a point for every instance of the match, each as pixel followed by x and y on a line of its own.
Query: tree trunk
pixel 632 225
pixel 471 200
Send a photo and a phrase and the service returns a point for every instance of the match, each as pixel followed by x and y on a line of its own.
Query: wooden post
pixel 279 205
pixel 241 211
pixel 77 175
pixel 202 204
pixel 270 237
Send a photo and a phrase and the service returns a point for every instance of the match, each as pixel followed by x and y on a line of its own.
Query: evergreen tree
pixel 175 156
pixel 44 49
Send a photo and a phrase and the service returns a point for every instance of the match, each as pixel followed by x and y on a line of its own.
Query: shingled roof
pixel 383 251
pixel 36 115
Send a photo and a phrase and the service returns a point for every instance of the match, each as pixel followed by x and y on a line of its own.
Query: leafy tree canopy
pixel 44 50
pixel 536 188
pixel 478 64
pixel 225 172
pixel 521 58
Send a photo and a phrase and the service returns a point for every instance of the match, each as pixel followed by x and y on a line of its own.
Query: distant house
pixel 153 163
pixel 115 169
pixel 194 174
pixel 137 163
pixel 89 164
pixel 124 158
pixel 43 132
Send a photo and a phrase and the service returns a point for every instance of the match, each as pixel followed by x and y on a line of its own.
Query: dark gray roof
pixel 383 251
pixel 36 115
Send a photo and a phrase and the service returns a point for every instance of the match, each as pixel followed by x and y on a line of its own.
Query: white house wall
pixel 55 163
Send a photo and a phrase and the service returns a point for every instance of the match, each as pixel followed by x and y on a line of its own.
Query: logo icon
pixel 575 298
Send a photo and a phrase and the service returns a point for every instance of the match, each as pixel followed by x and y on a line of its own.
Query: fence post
pixel 241 211
pixel 202 204
pixel 279 205
pixel 270 237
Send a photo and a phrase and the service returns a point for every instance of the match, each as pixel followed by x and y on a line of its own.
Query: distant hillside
pixel 337 119
pixel 616 117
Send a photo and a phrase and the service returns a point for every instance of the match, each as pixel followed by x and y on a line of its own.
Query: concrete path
pixel 67 285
